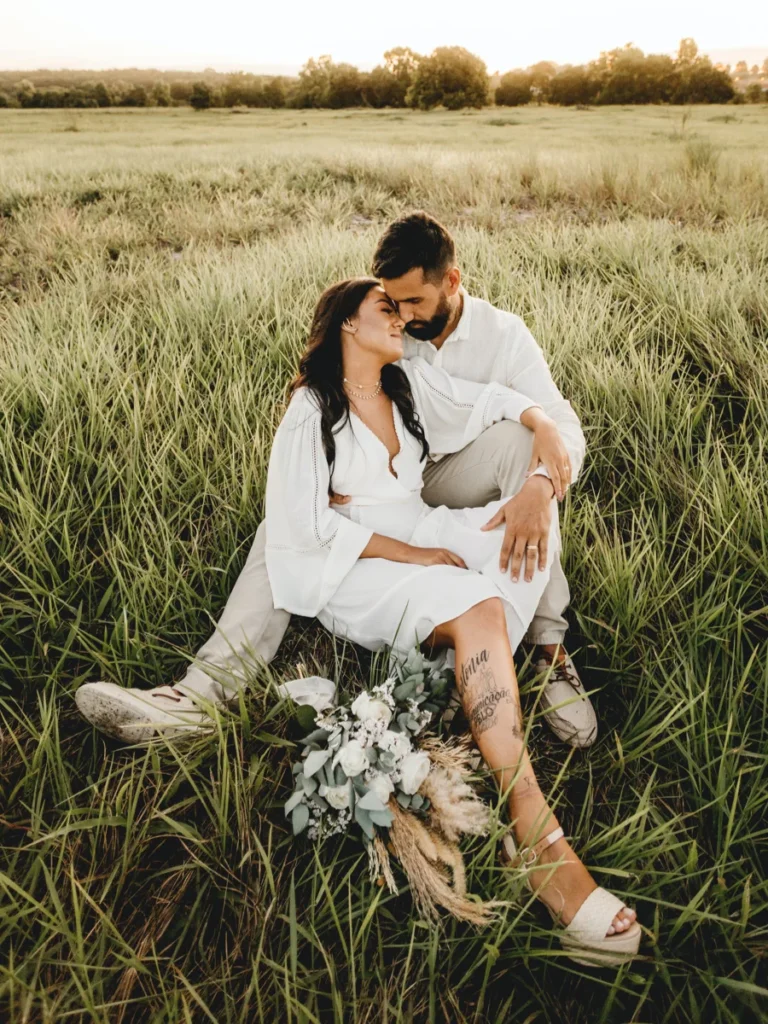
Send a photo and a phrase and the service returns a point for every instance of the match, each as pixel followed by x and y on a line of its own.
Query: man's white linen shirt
pixel 490 344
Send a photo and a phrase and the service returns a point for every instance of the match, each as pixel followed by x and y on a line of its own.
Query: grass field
pixel 157 273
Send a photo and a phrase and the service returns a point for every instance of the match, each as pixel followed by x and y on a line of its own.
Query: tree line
pixel 450 77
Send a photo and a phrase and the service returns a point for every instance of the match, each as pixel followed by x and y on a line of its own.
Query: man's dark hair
pixel 414 240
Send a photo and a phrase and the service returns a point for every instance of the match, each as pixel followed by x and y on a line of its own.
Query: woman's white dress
pixel 313 548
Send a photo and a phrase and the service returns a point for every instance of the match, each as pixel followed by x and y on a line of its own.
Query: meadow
pixel 157 274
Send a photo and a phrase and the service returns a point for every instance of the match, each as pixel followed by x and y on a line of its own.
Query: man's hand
pixel 527 517
pixel 339 499
pixel 549 450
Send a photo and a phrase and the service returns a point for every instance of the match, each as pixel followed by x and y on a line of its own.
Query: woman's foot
pixel 564 889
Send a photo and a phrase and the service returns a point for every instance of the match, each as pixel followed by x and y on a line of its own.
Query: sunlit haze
pixel 281 36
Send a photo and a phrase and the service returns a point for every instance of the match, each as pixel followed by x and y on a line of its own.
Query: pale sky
pixel 246 33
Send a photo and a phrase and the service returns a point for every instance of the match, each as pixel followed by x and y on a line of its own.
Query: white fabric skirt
pixel 384 603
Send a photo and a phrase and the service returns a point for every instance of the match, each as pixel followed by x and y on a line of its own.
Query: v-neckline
pixel 372 432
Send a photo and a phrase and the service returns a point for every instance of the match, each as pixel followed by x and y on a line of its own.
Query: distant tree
pixel 4 100
pixel 26 93
pixel 699 81
pixel 571 86
pixel 451 76
pixel 344 88
pixel 754 93
pixel 242 89
pixel 181 92
pixel 136 97
pixel 514 89
pixel 687 52
pixel 541 75
pixel 101 94
pixel 626 75
pixel 381 89
pixel 201 96
pixel 388 84
pixel 764 69
pixel 741 68
pixel 402 63
pixel 274 93
pixel 161 94
pixel 312 87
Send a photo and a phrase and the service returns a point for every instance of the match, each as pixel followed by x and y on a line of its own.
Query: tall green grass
pixel 154 299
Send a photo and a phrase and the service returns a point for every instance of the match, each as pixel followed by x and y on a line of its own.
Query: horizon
pixel 179 36
pixel 730 55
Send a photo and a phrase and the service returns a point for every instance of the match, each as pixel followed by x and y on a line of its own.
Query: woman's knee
pixel 486 616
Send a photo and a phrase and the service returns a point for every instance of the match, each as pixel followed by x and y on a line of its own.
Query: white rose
pixel 371 709
pixel 397 742
pixel 381 784
pixel 337 796
pixel 352 758
pixel 414 768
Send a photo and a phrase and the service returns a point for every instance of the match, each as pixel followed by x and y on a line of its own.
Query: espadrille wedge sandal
pixel 584 937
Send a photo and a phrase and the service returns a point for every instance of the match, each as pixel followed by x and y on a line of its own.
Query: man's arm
pixel 528 372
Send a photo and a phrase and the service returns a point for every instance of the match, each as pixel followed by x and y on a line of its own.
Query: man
pixel 415 261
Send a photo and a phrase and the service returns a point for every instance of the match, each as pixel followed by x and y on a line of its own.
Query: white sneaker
pixel 567 708
pixel 135 716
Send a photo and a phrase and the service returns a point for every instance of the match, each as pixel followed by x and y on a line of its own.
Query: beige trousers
pixel 250 628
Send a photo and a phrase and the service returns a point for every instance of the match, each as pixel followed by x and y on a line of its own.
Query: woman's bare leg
pixel 487 684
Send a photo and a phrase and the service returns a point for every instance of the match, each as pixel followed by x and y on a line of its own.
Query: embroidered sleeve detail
pixel 442 394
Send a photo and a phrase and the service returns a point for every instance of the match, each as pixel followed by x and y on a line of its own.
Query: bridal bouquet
pixel 369 763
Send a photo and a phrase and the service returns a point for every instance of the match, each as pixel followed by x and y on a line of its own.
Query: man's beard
pixel 426 330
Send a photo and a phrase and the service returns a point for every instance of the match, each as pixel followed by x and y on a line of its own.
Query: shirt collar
pixel 461 330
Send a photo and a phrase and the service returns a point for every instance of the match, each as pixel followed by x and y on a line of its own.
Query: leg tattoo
pixel 486 695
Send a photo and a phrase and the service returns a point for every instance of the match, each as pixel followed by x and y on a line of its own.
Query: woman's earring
pixel 348 327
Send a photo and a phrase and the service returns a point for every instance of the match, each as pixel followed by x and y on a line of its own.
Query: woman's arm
pixel 398 551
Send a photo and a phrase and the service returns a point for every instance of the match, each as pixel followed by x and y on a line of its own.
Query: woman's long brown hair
pixel 321 370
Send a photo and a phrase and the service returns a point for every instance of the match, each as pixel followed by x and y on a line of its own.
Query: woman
pixel 383 568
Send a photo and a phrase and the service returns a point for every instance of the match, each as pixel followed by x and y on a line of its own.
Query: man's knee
pixel 511 446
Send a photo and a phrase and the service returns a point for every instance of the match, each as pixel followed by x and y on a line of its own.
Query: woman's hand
pixel 434 556
pixel 548 448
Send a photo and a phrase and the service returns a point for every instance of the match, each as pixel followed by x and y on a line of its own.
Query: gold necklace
pixel 373 394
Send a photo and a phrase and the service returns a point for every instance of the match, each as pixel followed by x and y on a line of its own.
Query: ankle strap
pixel 530 854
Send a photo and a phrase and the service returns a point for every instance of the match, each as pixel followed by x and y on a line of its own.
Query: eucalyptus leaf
pixel 300 818
pixel 315 760
pixel 371 802
pixel 293 801
pixel 404 691
pixel 382 818
pixel 340 776
pixel 404 800
pixel 308 785
pixel 416 801
pixel 318 736
pixel 363 818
